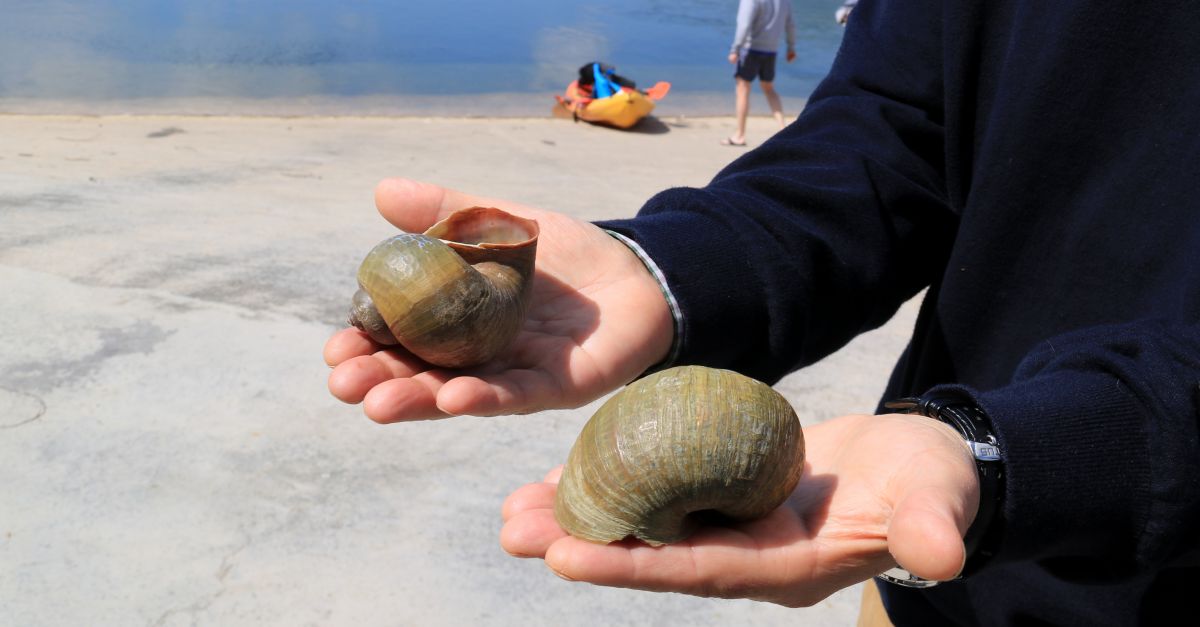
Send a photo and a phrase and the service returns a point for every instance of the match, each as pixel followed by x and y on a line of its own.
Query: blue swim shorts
pixel 754 64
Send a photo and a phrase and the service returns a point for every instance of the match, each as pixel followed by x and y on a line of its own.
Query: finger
pixel 510 392
pixel 400 362
pixel 715 562
pixel 346 344
pixel 554 475
pixel 414 206
pixel 528 497
pixel 934 506
pixel 531 533
pixel 352 379
pixel 924 535
pixel 410 205
pixel 399 400
pixel 624 564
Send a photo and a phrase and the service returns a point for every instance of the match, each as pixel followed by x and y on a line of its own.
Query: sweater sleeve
pixel 1100 430
pixel 789 29
pixel 745 18
pixel 823 231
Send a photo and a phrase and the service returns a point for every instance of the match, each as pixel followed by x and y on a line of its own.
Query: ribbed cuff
pixel 722 318
pixel 1074 447
pixel 672 303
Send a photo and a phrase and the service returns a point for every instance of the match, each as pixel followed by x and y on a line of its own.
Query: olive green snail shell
pixel 674 447
pixel 455 295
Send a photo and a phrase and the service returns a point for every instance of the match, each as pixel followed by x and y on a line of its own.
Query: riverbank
pixel 490 105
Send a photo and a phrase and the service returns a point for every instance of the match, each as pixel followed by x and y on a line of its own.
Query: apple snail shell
pixel 674 447
pixel 455 295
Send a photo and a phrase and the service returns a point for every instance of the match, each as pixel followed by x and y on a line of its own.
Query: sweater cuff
pixel 672 302
pixel 707 277
pixel 1074 447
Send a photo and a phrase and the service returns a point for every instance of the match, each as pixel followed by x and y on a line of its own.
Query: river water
pixel 367 56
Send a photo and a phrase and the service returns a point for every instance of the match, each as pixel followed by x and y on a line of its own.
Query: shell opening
pixel 484 226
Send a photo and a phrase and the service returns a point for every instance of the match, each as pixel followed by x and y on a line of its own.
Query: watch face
pixel 902 577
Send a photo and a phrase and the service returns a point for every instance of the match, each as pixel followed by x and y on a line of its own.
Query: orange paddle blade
pixel 658 91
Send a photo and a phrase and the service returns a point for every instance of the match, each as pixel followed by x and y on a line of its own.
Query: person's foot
pixel 733 141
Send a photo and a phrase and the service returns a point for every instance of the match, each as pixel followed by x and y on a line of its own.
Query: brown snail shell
pixel 454 296
pixel 674 448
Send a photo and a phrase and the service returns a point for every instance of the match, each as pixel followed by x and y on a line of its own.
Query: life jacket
pixel 603 80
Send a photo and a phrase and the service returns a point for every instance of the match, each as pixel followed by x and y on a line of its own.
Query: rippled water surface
pixel 97 50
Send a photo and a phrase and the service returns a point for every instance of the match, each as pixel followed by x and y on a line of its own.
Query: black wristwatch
pixel 959 411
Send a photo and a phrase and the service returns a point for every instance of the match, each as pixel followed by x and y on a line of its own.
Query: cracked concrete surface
pixel 171 455
pixel 18 407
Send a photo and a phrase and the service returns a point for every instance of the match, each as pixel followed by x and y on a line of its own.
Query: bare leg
pixel 774 100
pixel 742 108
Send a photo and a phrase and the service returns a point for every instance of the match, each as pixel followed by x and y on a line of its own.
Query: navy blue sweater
pixel 1036 165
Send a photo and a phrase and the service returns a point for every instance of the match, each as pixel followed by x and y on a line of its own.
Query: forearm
pixel 790 32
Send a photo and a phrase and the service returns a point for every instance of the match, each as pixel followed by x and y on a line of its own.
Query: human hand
pixel 876 491
pixel 733 58
pixel 563 357
pixel 791 56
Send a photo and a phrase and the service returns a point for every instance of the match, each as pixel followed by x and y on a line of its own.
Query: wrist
pixel 957 410
pixel 669 315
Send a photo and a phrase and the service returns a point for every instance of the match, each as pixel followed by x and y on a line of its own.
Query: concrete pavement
pixel 170 453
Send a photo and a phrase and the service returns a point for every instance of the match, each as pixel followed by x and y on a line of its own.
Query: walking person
pixel 760 24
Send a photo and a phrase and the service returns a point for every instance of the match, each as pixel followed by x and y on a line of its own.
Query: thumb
pixel 925 535
pixel 414 206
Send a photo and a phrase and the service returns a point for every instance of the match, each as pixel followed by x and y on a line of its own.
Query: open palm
pixel 563 356
pixel 876 491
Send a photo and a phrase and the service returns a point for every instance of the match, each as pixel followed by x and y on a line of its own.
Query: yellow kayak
pixel 622 110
